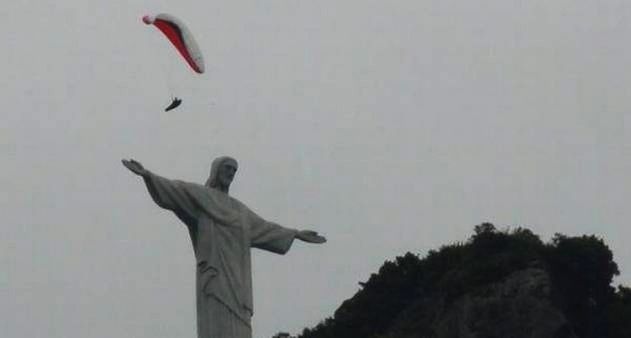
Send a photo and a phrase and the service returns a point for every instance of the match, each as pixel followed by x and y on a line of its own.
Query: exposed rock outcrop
pixel 517 307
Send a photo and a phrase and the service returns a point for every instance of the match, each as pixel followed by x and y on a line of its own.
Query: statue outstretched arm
pixel 276 238
pixel 138 169
pixel 168 194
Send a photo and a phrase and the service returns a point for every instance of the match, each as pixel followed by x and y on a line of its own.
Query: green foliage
pixel 584 267
pixel 406 289
pixel 387 292
pixel 619 313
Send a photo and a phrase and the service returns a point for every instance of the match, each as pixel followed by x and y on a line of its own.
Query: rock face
pixel 517 307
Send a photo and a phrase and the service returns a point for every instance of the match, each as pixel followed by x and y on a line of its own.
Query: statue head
pixel 222 173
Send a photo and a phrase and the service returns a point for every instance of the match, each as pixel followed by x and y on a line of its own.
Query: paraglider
pixel 182 39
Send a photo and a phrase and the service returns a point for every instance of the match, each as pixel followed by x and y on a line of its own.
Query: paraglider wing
pixel 180 37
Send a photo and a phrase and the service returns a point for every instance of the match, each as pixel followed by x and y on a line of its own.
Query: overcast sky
pixel 388 126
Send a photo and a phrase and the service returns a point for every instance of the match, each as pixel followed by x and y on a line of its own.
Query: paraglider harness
pixel 176 102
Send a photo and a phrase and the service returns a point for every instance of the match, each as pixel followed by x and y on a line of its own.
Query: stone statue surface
pixel 222 230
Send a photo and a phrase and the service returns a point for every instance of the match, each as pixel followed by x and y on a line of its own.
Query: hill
pixel 496 284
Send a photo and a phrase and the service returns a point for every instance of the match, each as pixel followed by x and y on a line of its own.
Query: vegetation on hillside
pixel 581 270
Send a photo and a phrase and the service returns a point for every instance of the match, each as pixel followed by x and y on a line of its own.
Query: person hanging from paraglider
pixel 174 104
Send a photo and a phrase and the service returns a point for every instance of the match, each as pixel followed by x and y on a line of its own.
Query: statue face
pixel 226 173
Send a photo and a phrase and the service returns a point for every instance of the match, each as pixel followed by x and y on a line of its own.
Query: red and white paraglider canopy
pixel 180 37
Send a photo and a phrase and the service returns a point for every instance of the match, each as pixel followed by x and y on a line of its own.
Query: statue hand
pixel 135 167
pixel 310 237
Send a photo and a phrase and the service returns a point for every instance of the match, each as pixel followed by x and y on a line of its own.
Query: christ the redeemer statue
pixel 222 230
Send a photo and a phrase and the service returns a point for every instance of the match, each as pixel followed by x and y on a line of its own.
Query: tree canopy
pixel 581 270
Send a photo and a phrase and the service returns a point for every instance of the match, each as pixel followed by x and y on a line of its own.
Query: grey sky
pixel 389 126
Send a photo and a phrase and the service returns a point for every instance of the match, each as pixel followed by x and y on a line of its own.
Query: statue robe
pixel 222 230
